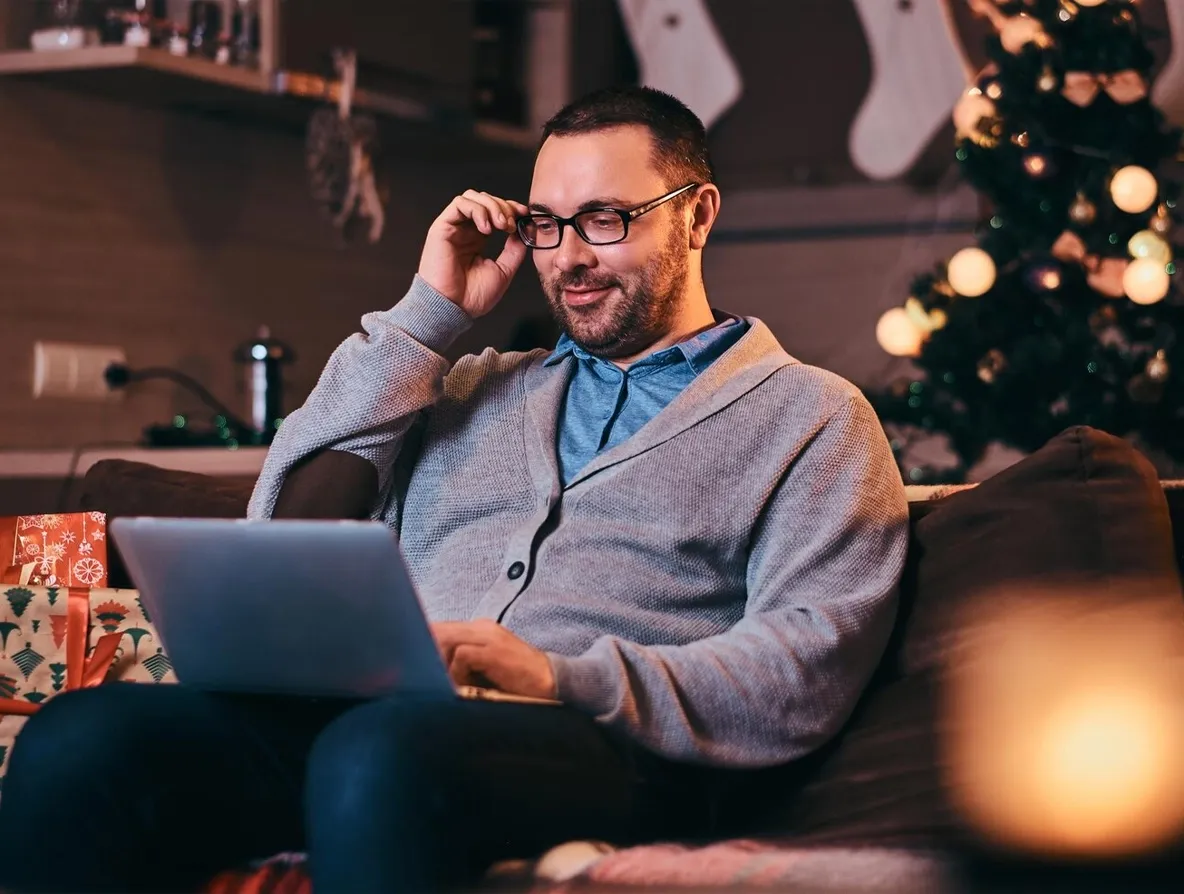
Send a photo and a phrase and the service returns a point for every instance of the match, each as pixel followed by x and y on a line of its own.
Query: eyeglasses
pixel 597 226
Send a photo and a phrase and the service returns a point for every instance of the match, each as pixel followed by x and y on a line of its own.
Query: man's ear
pixel 704 213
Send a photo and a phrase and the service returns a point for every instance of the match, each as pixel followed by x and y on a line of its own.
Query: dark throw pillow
pixel 1083 515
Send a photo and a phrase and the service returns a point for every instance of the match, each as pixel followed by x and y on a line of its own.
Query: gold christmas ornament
pixel 926 320
pixel 1022 139
pixel 1133 189
pixel 1148 244
pixel 1068 11
pixel 898 335
pixel 991 365
pixel 1158 369
pixel 971 272
pixel 1048 81
pixel 1146 281
pixel 1019 31
pixel 1036 164
pixel 974 116
pixel 1045 277
pixel 1161 223
pixel 1082 211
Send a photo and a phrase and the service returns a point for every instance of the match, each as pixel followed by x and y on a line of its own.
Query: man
pixel 690 539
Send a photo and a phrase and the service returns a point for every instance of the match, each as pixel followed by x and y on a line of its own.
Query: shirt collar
pixel 698 351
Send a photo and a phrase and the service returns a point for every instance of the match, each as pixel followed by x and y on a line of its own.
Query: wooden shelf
pixel 78 63
pixel 32 62
pixel 157 76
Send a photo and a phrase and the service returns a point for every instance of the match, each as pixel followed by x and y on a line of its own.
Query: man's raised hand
pixel 453 260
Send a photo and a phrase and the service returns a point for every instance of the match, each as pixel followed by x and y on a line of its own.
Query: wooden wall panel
pixel 175 235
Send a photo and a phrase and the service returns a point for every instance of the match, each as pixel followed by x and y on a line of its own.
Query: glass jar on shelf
pixel 137 30
pixel 178 40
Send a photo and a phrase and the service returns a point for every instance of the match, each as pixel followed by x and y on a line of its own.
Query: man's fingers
pixel 450 634
pixel 500 214
pixel 468 661
pixel 507 210
pixel 476 212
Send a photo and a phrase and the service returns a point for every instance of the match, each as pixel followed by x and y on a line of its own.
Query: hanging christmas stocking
pixel 918 72
pixel 1169 86
pixel 680 52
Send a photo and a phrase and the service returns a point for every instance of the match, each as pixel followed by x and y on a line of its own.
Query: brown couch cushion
pixel 1085 513
pixel 877 784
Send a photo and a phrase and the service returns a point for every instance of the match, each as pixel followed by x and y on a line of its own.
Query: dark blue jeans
pixel 157 788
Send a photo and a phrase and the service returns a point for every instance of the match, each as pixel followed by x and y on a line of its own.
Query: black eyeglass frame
pixel 627 215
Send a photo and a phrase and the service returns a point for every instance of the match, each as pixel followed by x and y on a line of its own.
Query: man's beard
pixel 640 313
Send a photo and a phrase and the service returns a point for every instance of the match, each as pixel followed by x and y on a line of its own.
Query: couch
pixel 1085 516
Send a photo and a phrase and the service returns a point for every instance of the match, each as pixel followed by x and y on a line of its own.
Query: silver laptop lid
pixel 317 608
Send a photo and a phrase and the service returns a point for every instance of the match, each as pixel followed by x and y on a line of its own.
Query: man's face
pixel 612 300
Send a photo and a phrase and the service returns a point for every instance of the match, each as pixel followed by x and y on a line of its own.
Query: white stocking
pixel 918 73
pixel 1169 86
pixel 680 52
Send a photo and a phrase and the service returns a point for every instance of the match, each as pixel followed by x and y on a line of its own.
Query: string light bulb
pixel 898 335
pixel 1133 189
pixel 1146 281
pixel 971 272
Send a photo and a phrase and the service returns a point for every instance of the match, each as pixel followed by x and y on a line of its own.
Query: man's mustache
pixel 567 281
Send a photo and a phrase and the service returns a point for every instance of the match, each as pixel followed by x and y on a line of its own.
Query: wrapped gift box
pixel 57 638
pixel 55 550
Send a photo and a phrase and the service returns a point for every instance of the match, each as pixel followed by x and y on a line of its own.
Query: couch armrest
pixel 331 484
pixel 118 487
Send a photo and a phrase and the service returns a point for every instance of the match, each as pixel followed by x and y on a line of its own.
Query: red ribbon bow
pixel 1082 87
pixel 81 672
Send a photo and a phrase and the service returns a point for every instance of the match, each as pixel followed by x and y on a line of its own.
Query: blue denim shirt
pixel 605 404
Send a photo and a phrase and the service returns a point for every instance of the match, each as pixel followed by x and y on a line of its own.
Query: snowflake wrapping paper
pixel 60 550
pixel 34 624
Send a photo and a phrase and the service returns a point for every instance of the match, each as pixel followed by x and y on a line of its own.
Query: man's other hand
pixel 453 260
pixel 479 653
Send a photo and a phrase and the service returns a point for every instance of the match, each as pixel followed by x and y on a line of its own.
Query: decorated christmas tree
pixel 1066 311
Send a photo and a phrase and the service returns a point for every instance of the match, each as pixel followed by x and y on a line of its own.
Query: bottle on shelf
pixel 205 27
pixel 245 33
pixel 263 358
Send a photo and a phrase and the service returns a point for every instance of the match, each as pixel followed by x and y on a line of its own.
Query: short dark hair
pixel 680 140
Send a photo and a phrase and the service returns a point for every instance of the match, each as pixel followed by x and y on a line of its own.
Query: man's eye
pixel 545 226
pixel 604 221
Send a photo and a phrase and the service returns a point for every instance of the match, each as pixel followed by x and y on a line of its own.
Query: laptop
pixel 308 608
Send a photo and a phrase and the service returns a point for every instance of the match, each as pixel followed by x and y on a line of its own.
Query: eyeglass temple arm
pixel 661 200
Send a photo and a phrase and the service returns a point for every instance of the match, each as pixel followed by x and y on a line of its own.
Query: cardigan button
pixel 515 571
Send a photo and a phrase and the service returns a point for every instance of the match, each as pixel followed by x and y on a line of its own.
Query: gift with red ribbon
pixel 56 639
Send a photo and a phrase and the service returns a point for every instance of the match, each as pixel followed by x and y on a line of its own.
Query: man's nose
pixel 573 252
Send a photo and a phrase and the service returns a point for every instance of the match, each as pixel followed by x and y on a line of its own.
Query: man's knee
pixel 379 755
pixel 77 735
